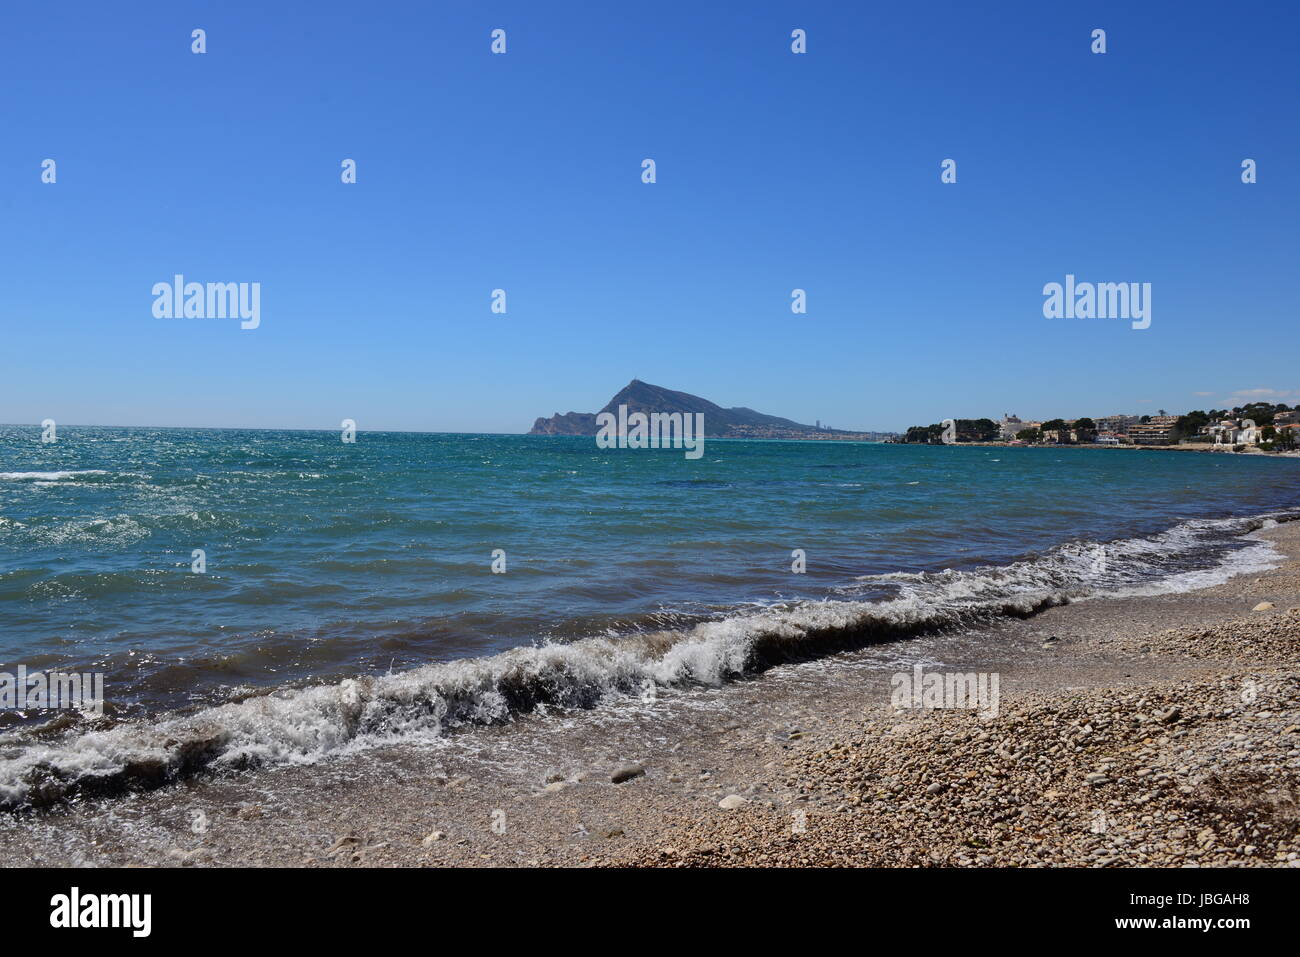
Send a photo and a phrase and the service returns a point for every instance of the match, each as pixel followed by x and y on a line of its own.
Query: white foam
pixel 49 476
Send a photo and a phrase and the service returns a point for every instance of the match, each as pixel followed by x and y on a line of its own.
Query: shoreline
pixel 815 742
pixel 1180 447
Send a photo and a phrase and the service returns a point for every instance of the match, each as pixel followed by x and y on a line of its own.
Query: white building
pixel 1011 426
pixel 1229 432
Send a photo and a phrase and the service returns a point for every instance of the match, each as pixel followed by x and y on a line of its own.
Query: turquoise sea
pixel 349 590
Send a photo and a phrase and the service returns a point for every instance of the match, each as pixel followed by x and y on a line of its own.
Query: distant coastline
pixel 719 422
pixel 1183 447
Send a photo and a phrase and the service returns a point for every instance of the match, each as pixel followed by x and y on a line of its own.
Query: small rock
pixel 344 843
pixel 189 857
pixel 626 773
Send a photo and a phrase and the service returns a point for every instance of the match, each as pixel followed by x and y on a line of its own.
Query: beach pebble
pixel 184 857
pixel 731 802
pixel 626 773
pixel 344 843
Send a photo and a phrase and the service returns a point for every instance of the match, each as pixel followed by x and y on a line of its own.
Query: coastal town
pixel 1260 426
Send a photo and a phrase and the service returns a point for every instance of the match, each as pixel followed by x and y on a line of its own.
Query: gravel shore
pixel 1182 773
pixel 1202 772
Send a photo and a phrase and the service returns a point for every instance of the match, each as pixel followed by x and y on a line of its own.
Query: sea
pixel 259 597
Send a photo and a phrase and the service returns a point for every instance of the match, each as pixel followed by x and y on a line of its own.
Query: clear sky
pixel 523 172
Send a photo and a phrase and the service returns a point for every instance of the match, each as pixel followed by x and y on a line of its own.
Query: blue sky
pixel 522 171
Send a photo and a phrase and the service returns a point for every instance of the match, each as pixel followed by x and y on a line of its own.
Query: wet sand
pixel 1153 730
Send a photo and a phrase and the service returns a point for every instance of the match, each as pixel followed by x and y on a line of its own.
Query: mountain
pixel 739 422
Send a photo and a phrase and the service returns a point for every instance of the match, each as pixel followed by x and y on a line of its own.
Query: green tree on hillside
pixel 1261 412
pixel 977 430
pixel 1193 423
pixel 924 434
